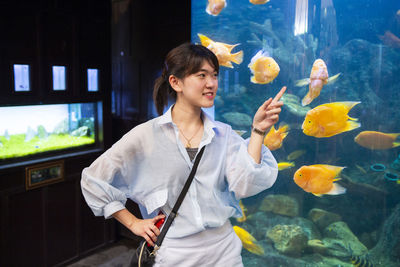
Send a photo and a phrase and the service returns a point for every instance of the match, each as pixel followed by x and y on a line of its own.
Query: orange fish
pixel 259 2
pixel 214 7
pixel 377 140
pixel 318 78
pixel 273 140
pixel 390 39
pixel 319 179
pixel 222 51
pixel 329 119
pixel 264 68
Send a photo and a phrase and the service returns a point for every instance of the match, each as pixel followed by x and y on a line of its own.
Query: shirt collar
pixel 209 123
pixel 166 117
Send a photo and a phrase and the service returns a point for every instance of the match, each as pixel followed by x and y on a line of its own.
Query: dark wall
pixel 127 40
pixel 142 34
pixel 51 225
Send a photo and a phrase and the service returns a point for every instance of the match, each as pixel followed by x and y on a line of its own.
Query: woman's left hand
pixel 268 113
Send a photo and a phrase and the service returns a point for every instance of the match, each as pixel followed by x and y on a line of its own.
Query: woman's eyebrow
pixel 214 71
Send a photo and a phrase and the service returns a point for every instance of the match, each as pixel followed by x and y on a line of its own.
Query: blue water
pixel 350 37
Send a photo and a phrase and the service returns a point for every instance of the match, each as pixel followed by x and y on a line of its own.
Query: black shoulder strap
pixel 178 203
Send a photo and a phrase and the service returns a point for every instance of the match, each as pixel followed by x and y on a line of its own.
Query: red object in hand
pixel 158 223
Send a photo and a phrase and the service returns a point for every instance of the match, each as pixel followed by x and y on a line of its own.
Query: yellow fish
pixel 329 119
pixel 248 241
pixel 259 2
pixel 264 68
pixel 319 179
pixel 214 7
pixel 222 51
pixel 318 78
pixel 377 140
pixel 285 165
pixel 296 154
pixel 274 138
pixel 244 210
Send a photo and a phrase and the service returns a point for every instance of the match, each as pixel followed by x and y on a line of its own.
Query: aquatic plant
pixel 16 146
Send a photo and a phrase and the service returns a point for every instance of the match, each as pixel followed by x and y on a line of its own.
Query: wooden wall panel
pixel 19 35
pixel 58 35
pixel 3 217
pixel 49 225
pixel 92 229
pixel 25 230
pixel 61 232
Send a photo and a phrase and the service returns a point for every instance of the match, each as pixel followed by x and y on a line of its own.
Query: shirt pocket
pixel 156 200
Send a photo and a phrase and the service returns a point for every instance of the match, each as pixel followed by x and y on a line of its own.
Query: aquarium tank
pixel 31 130
pixel 336 201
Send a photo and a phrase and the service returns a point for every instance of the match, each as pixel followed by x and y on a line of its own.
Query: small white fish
pixel 318 78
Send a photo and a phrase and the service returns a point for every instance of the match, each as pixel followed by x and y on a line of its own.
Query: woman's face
pixel 199 89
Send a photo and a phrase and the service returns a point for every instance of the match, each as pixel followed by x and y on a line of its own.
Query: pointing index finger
pixel 279 95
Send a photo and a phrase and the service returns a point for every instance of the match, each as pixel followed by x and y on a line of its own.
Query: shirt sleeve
pixel 104 184
pixel 246 177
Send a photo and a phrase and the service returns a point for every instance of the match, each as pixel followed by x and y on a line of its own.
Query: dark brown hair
pixel 181 61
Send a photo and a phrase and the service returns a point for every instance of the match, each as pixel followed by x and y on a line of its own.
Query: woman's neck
pixel 190 125
pixel 186 117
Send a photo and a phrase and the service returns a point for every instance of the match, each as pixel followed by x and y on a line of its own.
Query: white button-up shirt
pixel 150 165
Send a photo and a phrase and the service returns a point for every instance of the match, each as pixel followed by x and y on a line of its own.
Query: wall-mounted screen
pixel 21 78
pixel 59 80
pixel 29 130
pixel 93 80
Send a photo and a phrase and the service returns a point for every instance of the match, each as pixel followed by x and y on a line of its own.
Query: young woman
pixel 151 163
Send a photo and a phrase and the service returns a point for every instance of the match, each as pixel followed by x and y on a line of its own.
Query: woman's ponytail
pixel 160 93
